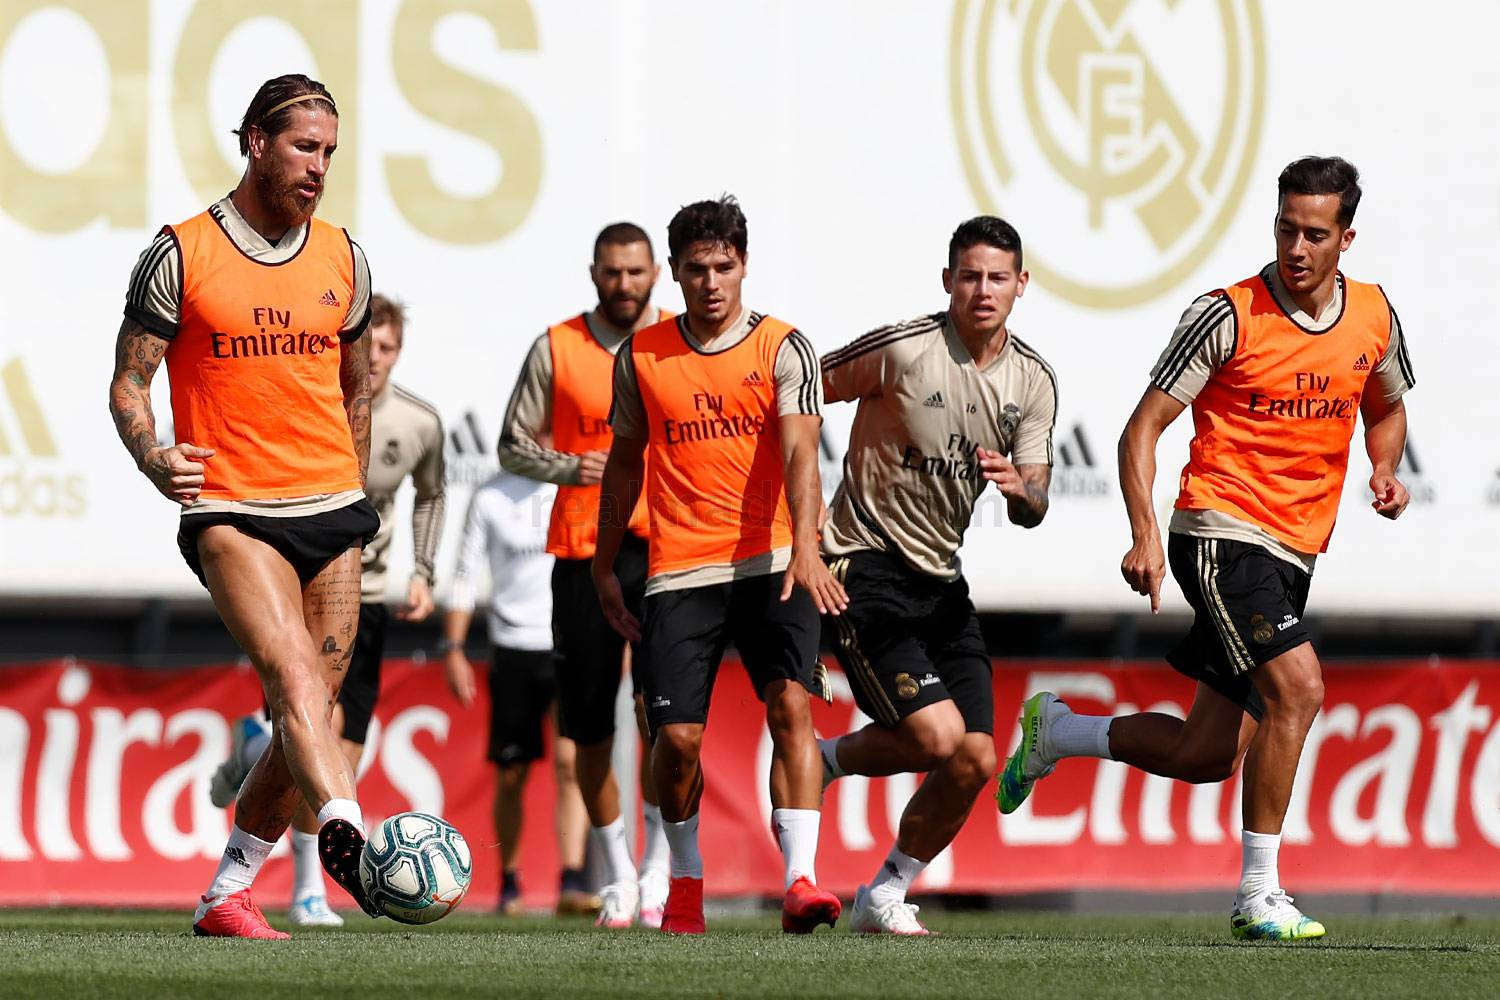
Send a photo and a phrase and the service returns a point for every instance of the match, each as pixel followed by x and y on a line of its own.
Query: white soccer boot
pixel 313 910
pixel 870 917
pixel 617 905
pixel 1271 917
pixel 653 888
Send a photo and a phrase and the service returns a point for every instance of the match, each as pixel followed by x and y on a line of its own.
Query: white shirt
pixel 507 525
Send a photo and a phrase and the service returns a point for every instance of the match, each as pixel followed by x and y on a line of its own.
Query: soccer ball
pixel 415 867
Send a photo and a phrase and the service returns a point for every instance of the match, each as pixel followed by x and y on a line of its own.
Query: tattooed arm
pixel 173 471
pixel 354 378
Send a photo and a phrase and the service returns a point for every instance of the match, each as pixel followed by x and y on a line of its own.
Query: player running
pixel 1275 369
pixel 506 531
pixel 260 311
pixel 563 394
pixel 407 436
pixel 943 400
pixel 718 411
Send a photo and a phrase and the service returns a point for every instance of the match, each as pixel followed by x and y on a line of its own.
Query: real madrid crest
pixel 1116 135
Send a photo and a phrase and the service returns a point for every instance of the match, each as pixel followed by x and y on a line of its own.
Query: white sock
pixel 1258 873
pixel 655 857
pixel 895 877
pixel 797 830
pixel 682 839
pixel 307 867
pixel 344 809
pixel 243 856
pixel 1071 735
pixel 829 749
pixel 616 852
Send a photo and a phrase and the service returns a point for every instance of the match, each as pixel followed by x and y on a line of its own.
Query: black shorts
pixel 589 648
pixel 308 542
pixel 523 683
pixel 1248 607
pixel 909 640
pixel 361 688
pixel 686 632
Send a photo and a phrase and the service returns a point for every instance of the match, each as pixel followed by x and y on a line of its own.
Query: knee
pixel 512 778
pixel 678 745
pixel 296 692
pixel 787 710
pixel 1208 768
pixel 1296 699
pixel 974 762
pixel 935 741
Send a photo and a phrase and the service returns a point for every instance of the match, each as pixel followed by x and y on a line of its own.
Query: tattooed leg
pixel 330 606
pixel 261 602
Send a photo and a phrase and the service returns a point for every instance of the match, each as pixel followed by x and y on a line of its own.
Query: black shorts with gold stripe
pixel 1248 607
pixel 909 640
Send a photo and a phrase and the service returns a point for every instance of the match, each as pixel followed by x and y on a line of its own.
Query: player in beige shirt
pixel 947 404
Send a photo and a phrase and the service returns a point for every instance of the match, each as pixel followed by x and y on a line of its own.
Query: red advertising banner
pixel 104 789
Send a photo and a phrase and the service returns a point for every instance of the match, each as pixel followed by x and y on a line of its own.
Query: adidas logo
pixel 27 413
pixel 329 299
pixel 754 380
pixel 936 399
pixel 1363 364
pixel 1074 450
pixel 237 856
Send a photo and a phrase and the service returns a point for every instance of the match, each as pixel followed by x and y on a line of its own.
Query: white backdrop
pixel 484 142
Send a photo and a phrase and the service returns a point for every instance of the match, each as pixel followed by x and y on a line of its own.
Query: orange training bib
pixel 254 368
pixel 1273 425
pixel 713 459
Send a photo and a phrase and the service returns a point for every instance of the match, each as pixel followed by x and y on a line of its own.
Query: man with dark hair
pixel 407 441
pixel 260 311
pixel 718 412
pixel 1275 368
pixel 947 403
pixel 556 430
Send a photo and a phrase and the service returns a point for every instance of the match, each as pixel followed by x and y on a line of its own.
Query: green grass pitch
pixel 150 955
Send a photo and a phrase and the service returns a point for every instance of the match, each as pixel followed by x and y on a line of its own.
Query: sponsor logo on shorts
pixel 1287 621
pixel 661 703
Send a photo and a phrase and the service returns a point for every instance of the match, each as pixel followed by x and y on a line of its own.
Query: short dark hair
pixel 618 234
pixel 984 230
pixel 1322 175
pixel 719 222
pixel 274 93
pixel 386 311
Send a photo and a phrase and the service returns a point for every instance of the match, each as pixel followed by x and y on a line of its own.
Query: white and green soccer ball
pixel 415 867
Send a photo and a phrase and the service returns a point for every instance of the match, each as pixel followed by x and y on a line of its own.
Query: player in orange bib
pixel 260 311
pixel 556 430
pixel 1276 368
pixel 718 410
